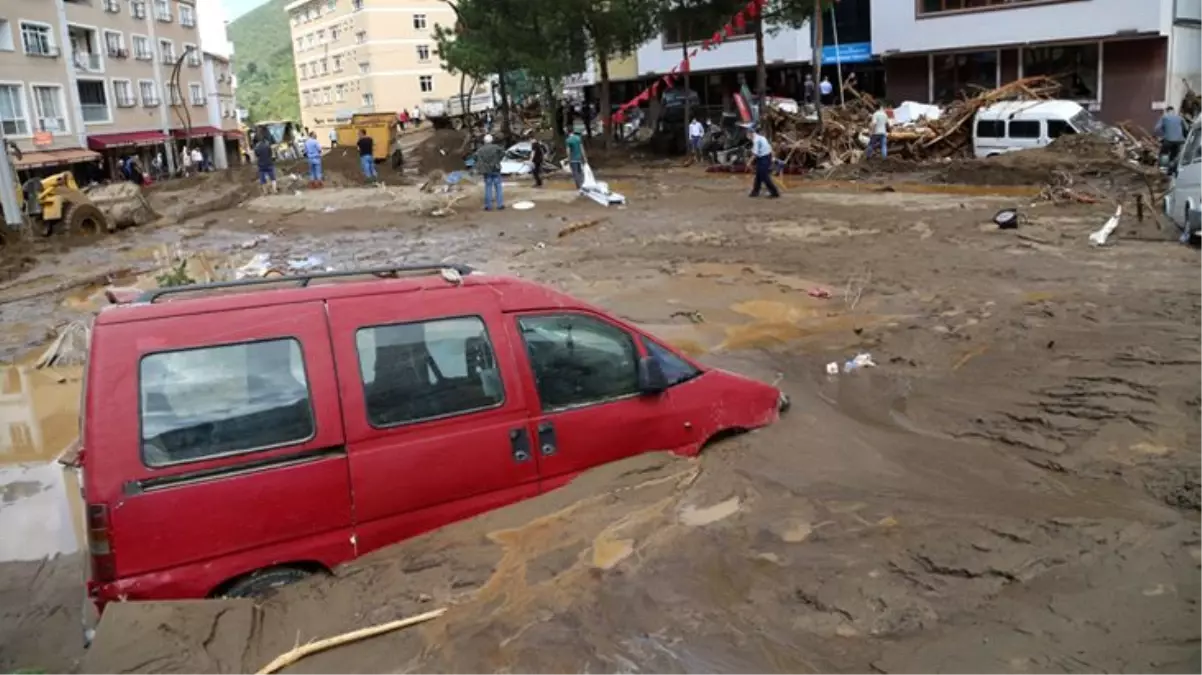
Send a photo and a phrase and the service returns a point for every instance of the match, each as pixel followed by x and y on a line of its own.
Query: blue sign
pixel 854 52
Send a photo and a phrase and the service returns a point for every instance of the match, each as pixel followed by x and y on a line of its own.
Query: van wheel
pixel 262 582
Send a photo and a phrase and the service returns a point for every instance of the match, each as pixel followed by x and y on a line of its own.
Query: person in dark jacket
pixel 367 158
pixel 538 154
pixel 265 158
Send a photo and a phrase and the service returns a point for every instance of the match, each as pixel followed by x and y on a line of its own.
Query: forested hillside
pixel 263 62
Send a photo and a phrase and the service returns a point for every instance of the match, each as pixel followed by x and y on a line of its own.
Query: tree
pixel 797 14
pixel 694 21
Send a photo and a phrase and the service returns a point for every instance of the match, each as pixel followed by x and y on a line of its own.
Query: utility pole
pixel 817 48
pixel 8 187
pixel 68 54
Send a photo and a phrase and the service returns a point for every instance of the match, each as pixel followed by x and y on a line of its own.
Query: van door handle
pixel 547 445
pixel 519 443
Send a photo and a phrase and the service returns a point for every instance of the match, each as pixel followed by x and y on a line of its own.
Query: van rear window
pixel 198 404
pixel 420 371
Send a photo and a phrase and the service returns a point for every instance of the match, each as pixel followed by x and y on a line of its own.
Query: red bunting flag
pixel 654 91
pixel 753 8
pixel 740 21
pixel 729 30
pixel 716 39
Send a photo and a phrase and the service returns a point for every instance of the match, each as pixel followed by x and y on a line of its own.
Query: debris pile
pixel 922 134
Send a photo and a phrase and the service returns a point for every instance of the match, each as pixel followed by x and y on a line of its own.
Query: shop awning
pixel 233 133
pixel 131 139
pixel 33 160
pixel 197 132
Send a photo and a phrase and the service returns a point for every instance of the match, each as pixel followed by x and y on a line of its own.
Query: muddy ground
pixel 1014 487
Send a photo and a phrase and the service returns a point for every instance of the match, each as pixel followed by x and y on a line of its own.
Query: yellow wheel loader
pixel 59 205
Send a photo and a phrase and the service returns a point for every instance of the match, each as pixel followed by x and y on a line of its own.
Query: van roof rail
pixel 302 280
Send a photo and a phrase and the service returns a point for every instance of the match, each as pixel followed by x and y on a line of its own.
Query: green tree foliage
pixel 263 63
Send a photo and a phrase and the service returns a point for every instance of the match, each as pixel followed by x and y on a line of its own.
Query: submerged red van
pixel 238 436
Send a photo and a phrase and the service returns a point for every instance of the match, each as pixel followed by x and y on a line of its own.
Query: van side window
pixel 991 128
pixel 579 360
pixel 1058 128
pixel 427 370
pixel 1024 129
pixel 211 402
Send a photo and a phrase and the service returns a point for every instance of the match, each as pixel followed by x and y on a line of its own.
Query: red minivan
pixel 238 436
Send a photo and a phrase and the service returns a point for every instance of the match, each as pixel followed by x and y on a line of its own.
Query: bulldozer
pixel 61 205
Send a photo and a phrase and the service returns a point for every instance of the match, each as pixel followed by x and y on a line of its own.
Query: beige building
pixel 81 79
pixel 366 56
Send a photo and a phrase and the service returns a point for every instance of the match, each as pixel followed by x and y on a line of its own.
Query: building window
pixel 426 83
pixel 246 397
pixel 196 93
pixel 419 22
pixel 326 96
pixel 361 37
pixel 138 8
pixel 162 10
pixel 93 101
pixel 331 5
pixel 321 37
pixel 173 93
pixel 167 51
pixel 325 67
pixel 364 68
pixel 959 74
pixel 356 5
pixel 300 44
pixel 12 111
pixel 423 53
pixel 926 7
pixel 334 32
pixel 695 29
pixel 150 93
pixel 123 92
pixel 6 36
pixel 337 64
pixel 339 93
pixel 142 50
pixel 187 15
pixel 193 53
pixel 49 108
pixel 1075 67
pixel 37 39
pixel 114 44
pixel 304 70
pixel 368 100
pixel 112 6
pixel 310 40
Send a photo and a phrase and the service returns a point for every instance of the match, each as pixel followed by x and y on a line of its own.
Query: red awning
pixel 197 132
pixel 33 160
pixel 131 139
pixel 233 133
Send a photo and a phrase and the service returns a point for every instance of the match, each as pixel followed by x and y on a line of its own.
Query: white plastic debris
pixel 255 268
pixel 524 206
pixel 598 191
pixel 1099 237
pixel 862 360
pixel 832 368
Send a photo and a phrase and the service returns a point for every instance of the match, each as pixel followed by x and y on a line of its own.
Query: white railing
pixel 95 112
pixel 87 61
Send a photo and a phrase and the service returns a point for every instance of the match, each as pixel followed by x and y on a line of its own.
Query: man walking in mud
pixel 265 158
pixel 762 149
pixel 488 163
pixel 313 155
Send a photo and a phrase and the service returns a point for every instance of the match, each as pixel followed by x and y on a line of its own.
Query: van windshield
pixel 1086 123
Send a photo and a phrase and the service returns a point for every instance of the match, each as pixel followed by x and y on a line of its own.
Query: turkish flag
pixel 729 30
pixel 740 21
pixel 716 39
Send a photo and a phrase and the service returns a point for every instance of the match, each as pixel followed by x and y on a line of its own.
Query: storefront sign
pixel 853 52
pixel 42 139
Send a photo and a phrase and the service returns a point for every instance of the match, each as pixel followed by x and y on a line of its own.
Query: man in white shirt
pixel 696 132
pixel 198 159
pixel 825 88
pixel 880 133
pixel 762 149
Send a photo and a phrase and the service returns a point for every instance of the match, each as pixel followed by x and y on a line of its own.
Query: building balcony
pixel 87 62
pixel 95 112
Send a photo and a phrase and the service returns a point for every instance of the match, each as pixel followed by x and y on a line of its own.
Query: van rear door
pixel 215 435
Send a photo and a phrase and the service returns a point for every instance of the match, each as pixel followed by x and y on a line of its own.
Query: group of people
pixel 824 89
pixel 488 165
pixel 312 151
pixel 405 118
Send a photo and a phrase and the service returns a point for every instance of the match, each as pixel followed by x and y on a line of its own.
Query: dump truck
pixel 381 127
pixel 451 113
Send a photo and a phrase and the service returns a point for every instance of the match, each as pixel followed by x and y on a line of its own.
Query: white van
pixel 1019 125
pixel 1184 198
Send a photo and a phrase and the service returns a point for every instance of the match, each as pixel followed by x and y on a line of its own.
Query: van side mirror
pixel 651 376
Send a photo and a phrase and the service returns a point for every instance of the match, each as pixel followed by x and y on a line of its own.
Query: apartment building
pixel 82 80
pixel 366 56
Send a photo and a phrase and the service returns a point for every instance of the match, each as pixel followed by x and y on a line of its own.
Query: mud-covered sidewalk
pixel 1014 487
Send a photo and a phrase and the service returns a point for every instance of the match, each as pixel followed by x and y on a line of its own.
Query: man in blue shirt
pixel 762 149
pixel 576 157
pixel 1170 129
pixel 313 154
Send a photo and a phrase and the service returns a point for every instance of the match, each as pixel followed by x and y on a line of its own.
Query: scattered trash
pixel 579 225
pixel 693 316
pixel 1099 237
pixel 70 348
pixel 308 263
pixel 256 268
pixel 1006 219
pixel 251 243
pixel 819 292
pixel 523 206
pixel 329 209
pixel 832 368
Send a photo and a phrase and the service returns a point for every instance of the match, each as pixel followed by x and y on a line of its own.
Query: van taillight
pixel 101 549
